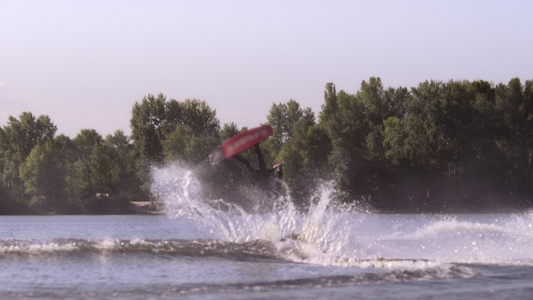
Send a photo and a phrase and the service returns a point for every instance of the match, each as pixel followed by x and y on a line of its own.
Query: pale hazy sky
pixel 85 63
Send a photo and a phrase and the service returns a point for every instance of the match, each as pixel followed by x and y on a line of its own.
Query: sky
pixel 85 63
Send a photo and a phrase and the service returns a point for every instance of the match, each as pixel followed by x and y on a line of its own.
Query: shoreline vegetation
pixel 439 147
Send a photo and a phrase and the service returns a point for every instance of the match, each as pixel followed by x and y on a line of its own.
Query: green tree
pixel 17 140
pixel 101 165
pixel 514 104
pixel 154 120
pixel 198 116
pixel 124 181
pixel 428 146
pixel 195 135
pixel 294 132
pixel 453 143
pixel 148 123
pixel 282 118
pixel 343 117
pixel 43 175
pixel 304 158
pixel 84 169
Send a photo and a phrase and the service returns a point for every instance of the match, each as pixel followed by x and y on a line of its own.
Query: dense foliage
pixel 439 146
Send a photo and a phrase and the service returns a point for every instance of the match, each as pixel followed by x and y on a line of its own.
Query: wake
pixel 333 236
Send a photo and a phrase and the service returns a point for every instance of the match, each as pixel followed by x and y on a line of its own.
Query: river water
pixel 199 251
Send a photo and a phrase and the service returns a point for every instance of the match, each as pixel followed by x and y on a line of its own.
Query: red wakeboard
pixel 241 142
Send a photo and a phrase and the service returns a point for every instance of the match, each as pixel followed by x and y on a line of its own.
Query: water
pixel 200 251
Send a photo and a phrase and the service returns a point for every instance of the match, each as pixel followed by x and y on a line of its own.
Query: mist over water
pixel 329 235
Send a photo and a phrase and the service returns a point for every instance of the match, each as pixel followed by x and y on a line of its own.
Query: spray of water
pixel 340 237
pixel 313 236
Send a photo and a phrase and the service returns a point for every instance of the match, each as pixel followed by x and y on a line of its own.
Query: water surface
pixel 197 251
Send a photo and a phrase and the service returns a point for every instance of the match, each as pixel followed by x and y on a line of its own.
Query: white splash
pixel 315 236
pixel 342 237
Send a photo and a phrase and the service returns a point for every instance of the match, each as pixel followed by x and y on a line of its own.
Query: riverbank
pixel 131 208
pixel 146 208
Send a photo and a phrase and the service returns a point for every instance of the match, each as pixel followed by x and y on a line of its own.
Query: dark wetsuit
pixel 268 192
pixel 262 174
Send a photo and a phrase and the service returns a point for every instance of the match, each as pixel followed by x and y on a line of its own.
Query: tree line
pixel 440 146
